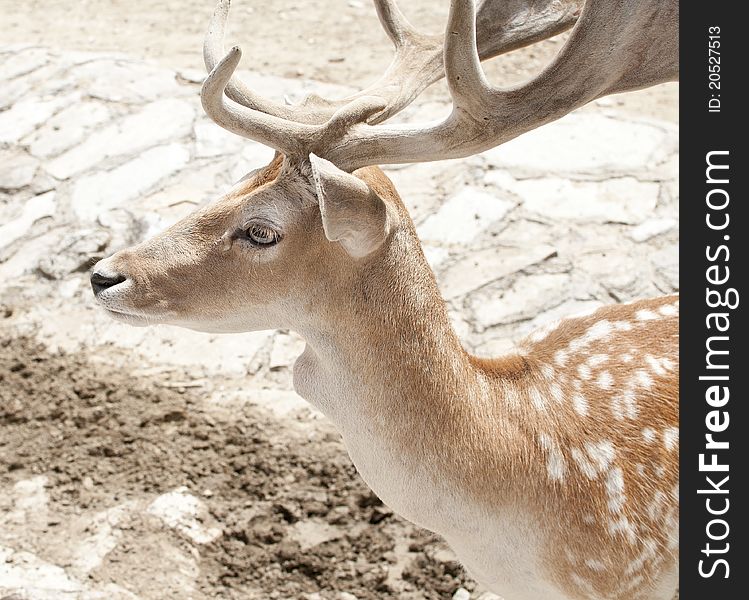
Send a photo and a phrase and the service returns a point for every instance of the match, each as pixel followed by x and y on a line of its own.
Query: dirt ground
pixel 102 436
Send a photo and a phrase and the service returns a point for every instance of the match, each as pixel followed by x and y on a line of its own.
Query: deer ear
pixel 352 213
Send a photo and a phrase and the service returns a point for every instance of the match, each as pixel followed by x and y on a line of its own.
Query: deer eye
pixel 262 235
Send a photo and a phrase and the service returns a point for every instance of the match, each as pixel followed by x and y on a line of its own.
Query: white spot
pixel 584 371
pixel 622 325
pixel 632 583
pixel 540 334
pixel 645 315
pixel 672 526
pixel 537 398
pixel 629 399
pixel 605 380
pixel 670 438
pixel 587 468
pixel 595 565
pixel 642 379
pixel 589 519
pixel 640 468
pixel 627 358
pixel 601 453
pixel 675 492
pixel 597 360
pixel 582 583
pixel 556 466
pixel 615 489
pixel 624 404
pixel 648 434
pixel 669 310
pixel 557 393
pixel 622 525
pixel 598 331
pixel 660 472
pixel 655 508
pixel 648 553
pixel 547 371
pixel 656 365
pixel 560 357
pixel 580 404
pixel 511 395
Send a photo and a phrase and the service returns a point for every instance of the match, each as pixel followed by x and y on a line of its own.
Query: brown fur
pixel 495 412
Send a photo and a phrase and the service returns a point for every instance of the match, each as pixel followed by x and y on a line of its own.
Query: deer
pixel 551 471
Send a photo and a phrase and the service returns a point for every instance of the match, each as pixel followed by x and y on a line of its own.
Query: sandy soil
pixel 295 516
pixel 335 41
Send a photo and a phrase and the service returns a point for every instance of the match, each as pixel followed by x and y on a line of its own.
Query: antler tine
pixel 288 137
pixel 213 52
pixel 278 133
pixel 394 22
pixel 463 72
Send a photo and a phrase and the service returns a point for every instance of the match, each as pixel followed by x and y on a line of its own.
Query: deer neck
pixel 387 368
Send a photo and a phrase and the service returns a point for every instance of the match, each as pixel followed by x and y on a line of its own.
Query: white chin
pixel 135 320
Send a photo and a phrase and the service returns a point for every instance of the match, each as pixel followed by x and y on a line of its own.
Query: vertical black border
pixel 702 131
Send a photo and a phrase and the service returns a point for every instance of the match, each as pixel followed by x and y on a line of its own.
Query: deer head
pixel 277 245
pixel 289 234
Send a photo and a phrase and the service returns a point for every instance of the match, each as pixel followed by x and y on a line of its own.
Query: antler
pixel 615 46
pixel 503 26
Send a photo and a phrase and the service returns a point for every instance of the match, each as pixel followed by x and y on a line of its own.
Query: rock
pixel 666 263
pixel 24 571
pixel 81 250
pixel 120 80
pixel 346 596
pixel 651 228
pixel 67 128
pixel 105 190
pixel 17 169
pixel 463 217
pixel 186 513
pixel 435 255
pixel 462 594
pixel 419 186
pixel 22 63
pixel 158 122
pixel 287 347
pixel 476 269
pixel 253 156
pixel 24 116
pixel 587 143
pixel 311 532
pixel 212 140
pixel 620 200
pixel 35 208
pixel 528 297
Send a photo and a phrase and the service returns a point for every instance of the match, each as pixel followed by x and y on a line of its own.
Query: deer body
pixel 552 472
pixel 493 453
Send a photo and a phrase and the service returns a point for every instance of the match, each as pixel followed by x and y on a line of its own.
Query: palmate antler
pixel 615 46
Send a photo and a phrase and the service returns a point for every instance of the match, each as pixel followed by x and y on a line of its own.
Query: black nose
pixel 101 282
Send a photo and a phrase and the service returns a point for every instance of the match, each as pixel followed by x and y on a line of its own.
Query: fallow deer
pixel 552 471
